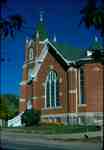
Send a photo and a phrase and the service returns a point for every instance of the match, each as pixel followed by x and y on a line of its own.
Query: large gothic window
pixel 52 90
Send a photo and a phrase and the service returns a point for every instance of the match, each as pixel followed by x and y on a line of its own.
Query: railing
pixel 15 122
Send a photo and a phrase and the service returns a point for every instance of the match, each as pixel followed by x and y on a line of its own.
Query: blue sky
pixel 62 17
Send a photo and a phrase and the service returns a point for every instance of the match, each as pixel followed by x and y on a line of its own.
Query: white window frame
pixel 50 78
pixel 31 53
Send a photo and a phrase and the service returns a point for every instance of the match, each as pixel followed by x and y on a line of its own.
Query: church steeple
pixel 41 16
pixel 54 38
pixel 41 33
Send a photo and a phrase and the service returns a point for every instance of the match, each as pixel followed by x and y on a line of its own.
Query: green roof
pixel 41 30
pixel 67 51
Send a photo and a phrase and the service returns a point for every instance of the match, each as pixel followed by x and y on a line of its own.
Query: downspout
pixel 67 97
pixel 76 75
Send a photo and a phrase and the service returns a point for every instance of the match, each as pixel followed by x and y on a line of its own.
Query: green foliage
pixel 8 106
pixel 93 15
pixel 31 117
pixel 56 129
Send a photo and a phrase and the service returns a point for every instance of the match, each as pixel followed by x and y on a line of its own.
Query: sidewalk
pixel 74 136
pixel 98 135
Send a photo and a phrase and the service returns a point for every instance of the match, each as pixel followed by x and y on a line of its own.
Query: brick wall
pixel 94 87
pixel 49 63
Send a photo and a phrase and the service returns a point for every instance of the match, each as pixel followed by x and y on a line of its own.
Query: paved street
pixel 24 141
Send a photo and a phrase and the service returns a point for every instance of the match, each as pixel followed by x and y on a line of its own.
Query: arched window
pixel 29 105
pixel 52 90
pixel 30 53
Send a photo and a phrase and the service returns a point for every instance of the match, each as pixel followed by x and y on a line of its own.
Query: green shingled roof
pixel 67 51
pixel 41 30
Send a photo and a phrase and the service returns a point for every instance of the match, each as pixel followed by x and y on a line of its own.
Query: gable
pixel 59 58
pixel 68 52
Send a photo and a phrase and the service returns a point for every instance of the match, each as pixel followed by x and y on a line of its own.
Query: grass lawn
pixel 54 129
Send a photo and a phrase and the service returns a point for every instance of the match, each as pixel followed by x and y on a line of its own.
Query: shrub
pixel 31 117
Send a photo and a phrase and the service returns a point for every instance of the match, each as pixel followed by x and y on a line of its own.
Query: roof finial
pixel 37 35
pixel 27 40
pixel 54 38
pixel 96 39
pixel 41 16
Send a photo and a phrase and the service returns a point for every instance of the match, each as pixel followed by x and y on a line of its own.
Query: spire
pixel 27 40
pixel 41 16
pixel 96 39
pixel 41 33
pixel 54 38
pixel 37 35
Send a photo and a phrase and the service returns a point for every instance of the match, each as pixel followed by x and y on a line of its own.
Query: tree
pixel 9 26
pixel 8 106
pixel 31 117
pixel 93 15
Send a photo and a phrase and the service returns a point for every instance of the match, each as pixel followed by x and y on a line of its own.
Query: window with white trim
pixel 30 73
pixel 52 90
pixel 29 105
pixel 31 53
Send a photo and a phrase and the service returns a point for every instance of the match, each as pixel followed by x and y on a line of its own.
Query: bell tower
pixel 33 51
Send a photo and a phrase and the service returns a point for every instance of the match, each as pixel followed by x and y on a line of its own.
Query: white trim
pixel 27 63
pixel 92 114
pixel 97 69
pixel 72 91
pixel 60 115
pixel 51 78
pixel 89 53
pixel 24 66
pixel 82 105
pixel 39 61
pixel 50 93
pixel 29 104
pixel 72 69
pixel 76 94
pixel 22 100
pixel 23 82
pixel 86 58
pixel 29 43
pixel 35 97
pixel 52 108
pixel 55 93
pixel 67 62
pixel 31 52
pixel 43 42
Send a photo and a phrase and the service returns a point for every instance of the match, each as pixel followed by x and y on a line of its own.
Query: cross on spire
pixel 54 38
pixel 41 16
pixel 96 39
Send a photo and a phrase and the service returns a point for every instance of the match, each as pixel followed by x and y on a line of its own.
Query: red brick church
pixel 66 86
